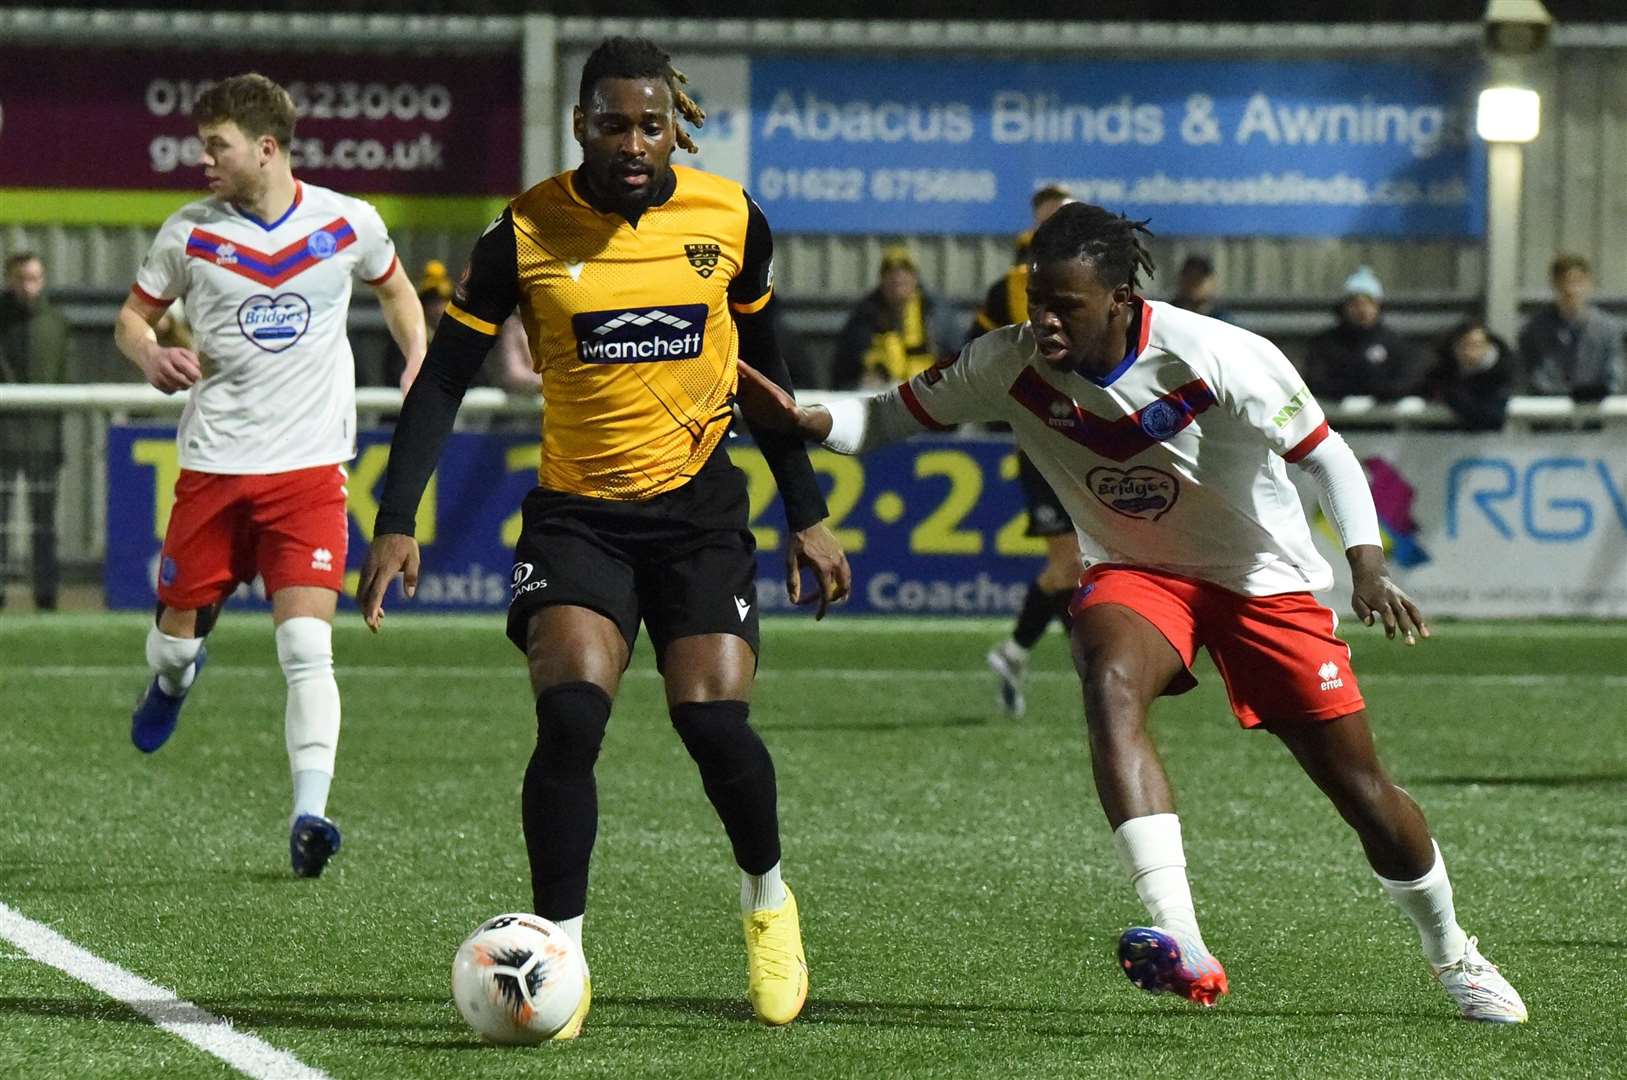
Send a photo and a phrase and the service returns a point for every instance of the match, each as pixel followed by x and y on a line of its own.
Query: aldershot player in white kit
pixel 265 265
pixel 1165 435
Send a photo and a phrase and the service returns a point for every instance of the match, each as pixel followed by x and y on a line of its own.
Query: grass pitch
pixel 960 897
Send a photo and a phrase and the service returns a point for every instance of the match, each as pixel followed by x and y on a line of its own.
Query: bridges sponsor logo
pixel 640 335
pixel 274 322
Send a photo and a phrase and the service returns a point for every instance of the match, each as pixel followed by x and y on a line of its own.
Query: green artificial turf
pixel 960 896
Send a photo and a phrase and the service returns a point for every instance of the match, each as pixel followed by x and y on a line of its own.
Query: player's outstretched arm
pixel 853 425
pixel 133 332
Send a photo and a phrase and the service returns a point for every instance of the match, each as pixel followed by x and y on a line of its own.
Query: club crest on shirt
pixel 321 245
pixel 1142 492
pixel 274 323
pixel 703 257
pixel 1160 420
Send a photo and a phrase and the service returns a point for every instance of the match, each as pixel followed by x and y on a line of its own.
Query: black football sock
pixel 738 775
pixel 559 804
pixel 1038 608
pixel 1063 599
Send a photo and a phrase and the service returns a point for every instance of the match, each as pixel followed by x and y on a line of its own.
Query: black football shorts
pixel 1045 514
pixel 683 561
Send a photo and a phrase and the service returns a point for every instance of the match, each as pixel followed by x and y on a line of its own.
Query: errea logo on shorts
pixel 1329 672
pixel 640 335
pixel 322 559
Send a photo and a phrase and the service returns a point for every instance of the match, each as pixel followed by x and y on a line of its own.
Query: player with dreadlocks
pixel 641 285
pixel 1166 435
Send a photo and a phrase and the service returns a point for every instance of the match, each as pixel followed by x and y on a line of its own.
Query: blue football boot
pixel 312 841
pixel 1157 962
pixel 156 714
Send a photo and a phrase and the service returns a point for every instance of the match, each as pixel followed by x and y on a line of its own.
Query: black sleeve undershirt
pixel 488 292
pixel 787 455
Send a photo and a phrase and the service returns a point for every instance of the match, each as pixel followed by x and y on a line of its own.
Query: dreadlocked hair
pixel 1110 242
pixel 641 58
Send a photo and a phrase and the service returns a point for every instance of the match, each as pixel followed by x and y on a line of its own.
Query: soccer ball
pixel 518 979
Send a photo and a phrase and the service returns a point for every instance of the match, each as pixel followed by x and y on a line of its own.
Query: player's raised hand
pixel 817 548
pixel 1374 595
pixel 170 369
pixel 391 554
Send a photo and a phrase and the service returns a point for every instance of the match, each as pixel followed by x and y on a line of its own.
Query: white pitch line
pixel 211 1034
pixel 516 673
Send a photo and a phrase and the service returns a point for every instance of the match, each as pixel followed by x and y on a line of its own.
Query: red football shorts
pixel 1277 654
pixel 290 528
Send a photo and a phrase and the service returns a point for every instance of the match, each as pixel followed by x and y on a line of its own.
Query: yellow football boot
pixel 776 968
pixel 573 1026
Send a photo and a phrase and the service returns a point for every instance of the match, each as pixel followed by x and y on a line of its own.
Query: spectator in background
pixel 1473 376
pixel 34 346
pixel 895 331
pixel 1006 301
pixel 1359 355
pixel 1570 346
pixel 1197 288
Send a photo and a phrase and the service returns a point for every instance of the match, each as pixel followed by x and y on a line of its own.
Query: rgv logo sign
pixel 640 335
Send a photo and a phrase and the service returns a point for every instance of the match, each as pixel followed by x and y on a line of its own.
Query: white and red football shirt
pixel 1173 460
pixel 268 304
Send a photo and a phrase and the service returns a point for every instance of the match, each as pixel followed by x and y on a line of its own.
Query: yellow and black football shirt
pixel 630 327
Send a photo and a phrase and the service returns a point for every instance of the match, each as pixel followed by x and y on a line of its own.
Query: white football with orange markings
pixel 518 979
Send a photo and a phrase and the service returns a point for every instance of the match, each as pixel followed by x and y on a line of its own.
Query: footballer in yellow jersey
pixel 642 286
pixel 632 329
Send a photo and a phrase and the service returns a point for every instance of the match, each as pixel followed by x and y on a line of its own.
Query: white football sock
pixel 573 927
pixel 1014 652
pixel 311 721
pixel 1428 903
pixel 171 659
pixel 761 892
pixel 1150 848
pixel 311 793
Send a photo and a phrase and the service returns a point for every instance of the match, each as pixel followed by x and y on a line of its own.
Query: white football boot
pixel 1009 669
pixel 1479 989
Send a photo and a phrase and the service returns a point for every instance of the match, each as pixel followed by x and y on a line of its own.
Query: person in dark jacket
pixel 1570 346
pixel 34 348
pixel 1473 376
pixel 895 332
pixel 1360 355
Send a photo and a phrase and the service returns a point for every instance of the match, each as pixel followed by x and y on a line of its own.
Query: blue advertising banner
pixel 1202 148
pixel 934 526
